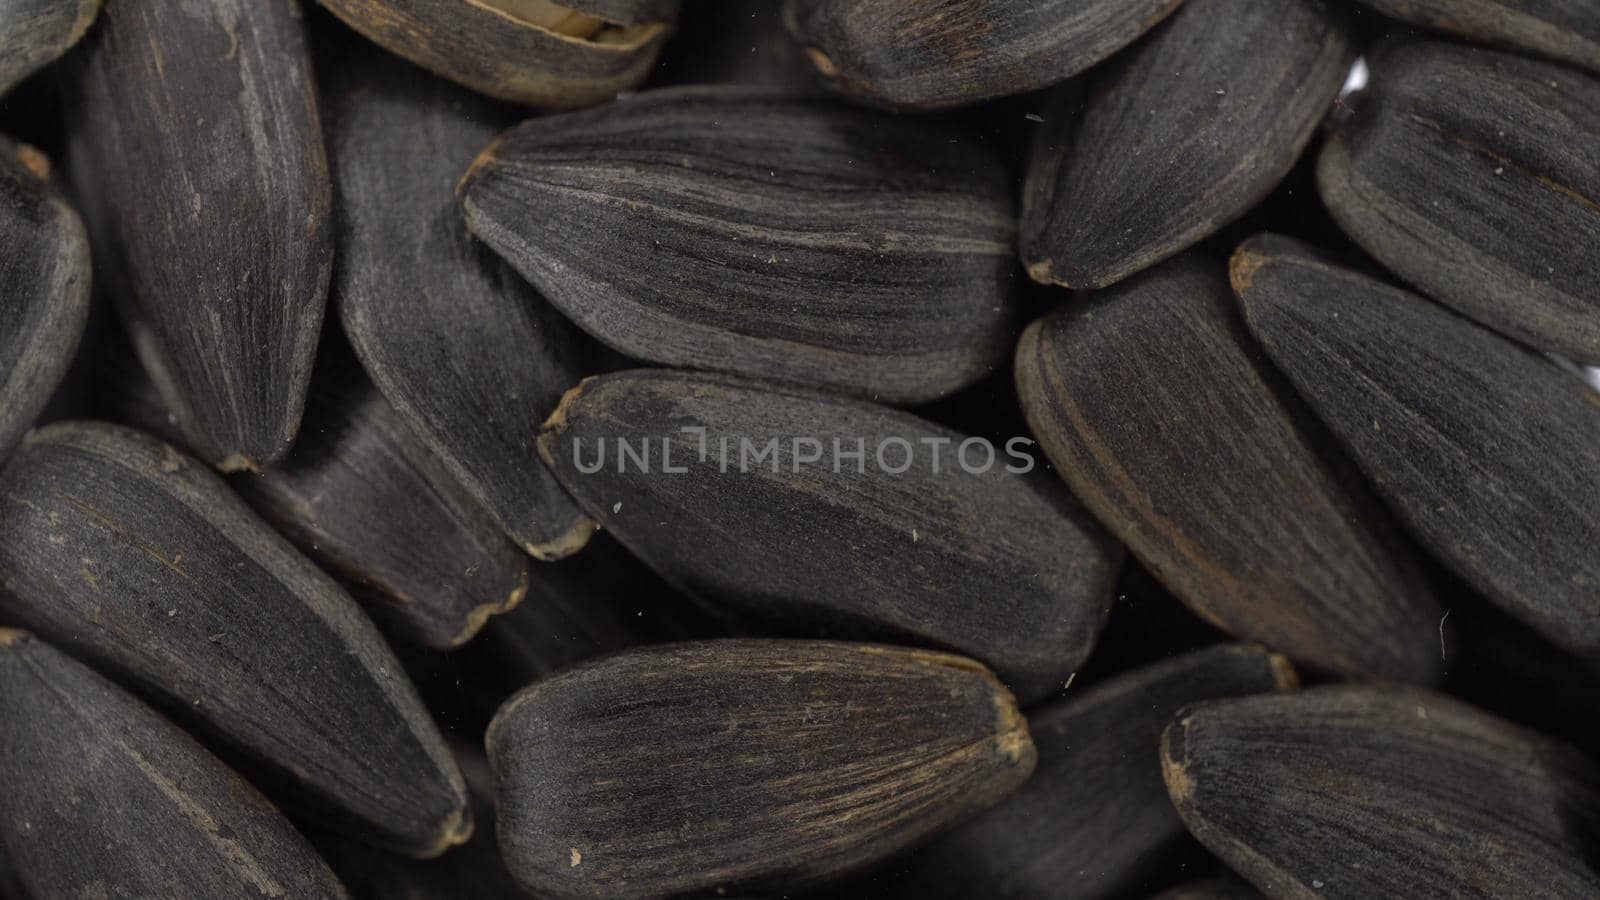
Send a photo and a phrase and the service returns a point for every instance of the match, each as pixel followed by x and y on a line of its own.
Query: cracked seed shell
pixel 535 52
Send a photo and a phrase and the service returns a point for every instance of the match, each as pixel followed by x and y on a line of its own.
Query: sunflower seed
pixel 931 54
pixel 34 33
pixel 937 553
pixel 536 52
pixel 361 495
pixel 1565 30
pixel 95 779
pixel 767 762
pixel 1384 792
pixel 469 355
pixel 1094 820
pixel 44 267
pixel 1117 189
pixel 195 142
pixel 1475 177
pixel 1488 452
pixel 135 557
pixel 1167 421
pixel 750 231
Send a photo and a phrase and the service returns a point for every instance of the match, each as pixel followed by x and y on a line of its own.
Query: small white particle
pixel 616 507
pixel 913 535
pixel 576 857
pixel 1034 117
pixel 1500 170
pixel 1316 884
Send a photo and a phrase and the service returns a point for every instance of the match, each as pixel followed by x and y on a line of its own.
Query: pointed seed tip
pixel 1242 269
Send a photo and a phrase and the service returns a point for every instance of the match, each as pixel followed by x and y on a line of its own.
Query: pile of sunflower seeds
pixel 833 448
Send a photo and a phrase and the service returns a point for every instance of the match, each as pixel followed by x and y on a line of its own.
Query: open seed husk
pixel 751 231
pixel 139 560
pixel 768 763
pixel 1384 792
pixel 195 148
pixel 928 54
pixel 1488 452
pixel 34 33
pixel 95 780
pixel 536 52
pixel 1241 86
pixel 471 357
pixel 44 301
pixel 364 497
pixel 1195 453
pixel 1475 176
pixel 980 563
pixel 1094 819
pixel 1563 30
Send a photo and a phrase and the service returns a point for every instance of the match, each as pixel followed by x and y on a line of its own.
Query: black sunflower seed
pixel 1384 792
pixel 1170 425
pixel 923 537
pixel 1566 30
pixel 44 288
pixel 750 231
pixel 1487 450
pixel 1475 177
pixel 96 781
pixel 363 496
pixel 33 33
pixel 933 53
pixel 470 356
pixel 137 558
pixel 526 51
pixel 1094 820
pixel 766 763
pixel 196 148
pixel 1240 86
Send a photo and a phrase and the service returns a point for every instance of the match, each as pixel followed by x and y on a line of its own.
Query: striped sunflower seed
pixel 1487 451
pixel 104 798
pixel 139 560
pixel 1242 85
pixel 1170 425
pixel 750 231
pixel 931 54
pixel 981 563
pixel 362 496
pixel 44 302
pixel 766 763
pixel 471 358
pixel 536 52
pixel 195 144
pixel 1384 792
pixel 1475 177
